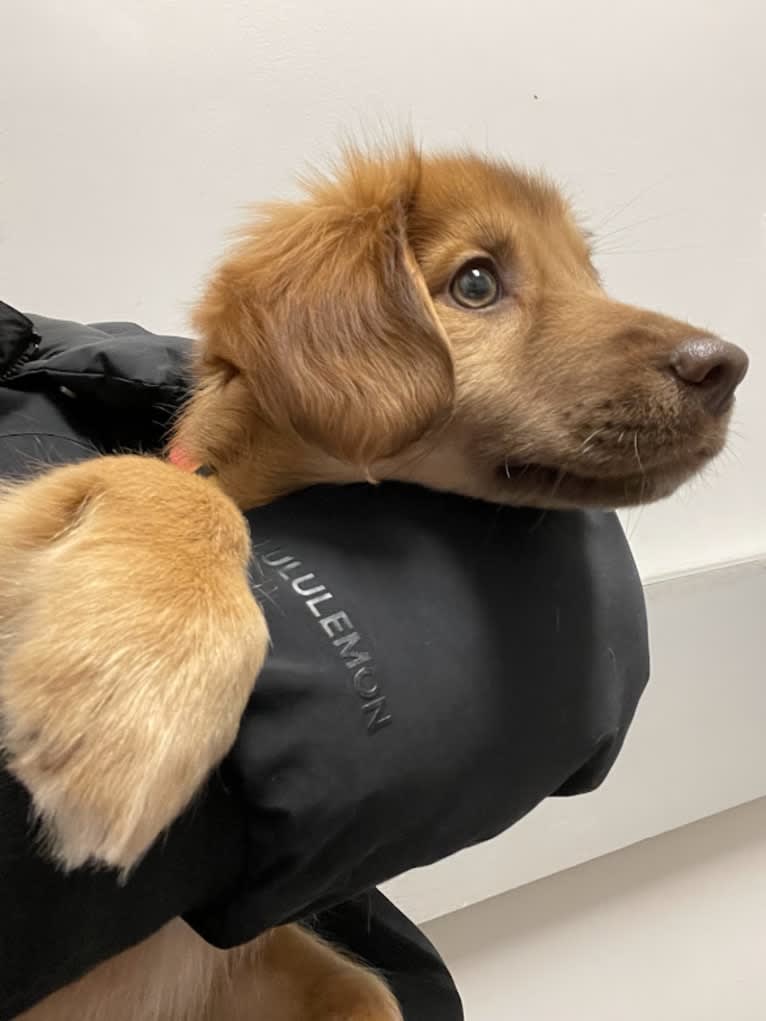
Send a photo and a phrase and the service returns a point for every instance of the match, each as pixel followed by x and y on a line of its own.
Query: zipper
pixel 21 360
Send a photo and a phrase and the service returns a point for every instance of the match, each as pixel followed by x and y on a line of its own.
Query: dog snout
pixel 711 368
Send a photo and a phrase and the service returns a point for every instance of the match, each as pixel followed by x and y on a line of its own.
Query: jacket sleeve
pixel 439 667
pixel 437 670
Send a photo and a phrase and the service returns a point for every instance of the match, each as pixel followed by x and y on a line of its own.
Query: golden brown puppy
pixel 436 320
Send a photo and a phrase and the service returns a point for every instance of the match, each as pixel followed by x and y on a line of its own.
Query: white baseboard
pixel 697 747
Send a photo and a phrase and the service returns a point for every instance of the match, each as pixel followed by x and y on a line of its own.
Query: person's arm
pixel 439 666
pixel 455 667
pixel 499 658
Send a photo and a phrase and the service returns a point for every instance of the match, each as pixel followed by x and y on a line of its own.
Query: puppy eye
pixel 475 285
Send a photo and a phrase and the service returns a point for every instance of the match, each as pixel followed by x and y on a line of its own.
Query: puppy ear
pixel 326 320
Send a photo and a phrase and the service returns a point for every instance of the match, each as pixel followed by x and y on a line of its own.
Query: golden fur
pixel 332 350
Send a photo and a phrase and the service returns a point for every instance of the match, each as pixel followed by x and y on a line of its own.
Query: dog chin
pixel 546 487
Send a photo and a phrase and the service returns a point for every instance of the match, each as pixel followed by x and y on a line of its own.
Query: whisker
pixel 264 593
pixel 648 251
pixel 599 237
pixel 638 456
pixel 631 202
pixel 592 436
pixel 633 520
pixel 586 447
pixel 557 484
pixel 539 520
pixel 642 490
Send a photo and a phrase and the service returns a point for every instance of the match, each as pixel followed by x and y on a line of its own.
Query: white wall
pixel 668 930
pixel 131 132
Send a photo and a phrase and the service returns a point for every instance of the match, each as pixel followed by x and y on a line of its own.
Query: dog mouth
pixel 557 486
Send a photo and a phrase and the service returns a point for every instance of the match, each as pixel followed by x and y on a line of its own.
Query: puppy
pixel 434 320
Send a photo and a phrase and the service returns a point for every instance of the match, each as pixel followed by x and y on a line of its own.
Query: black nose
pixel 712 368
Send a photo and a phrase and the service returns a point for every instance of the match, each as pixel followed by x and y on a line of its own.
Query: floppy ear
pixel 322 320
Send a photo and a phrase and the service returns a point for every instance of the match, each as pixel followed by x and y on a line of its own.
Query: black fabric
pixel 504 660
pixel 18 340
pixel 439 667
pixel 379 932
pixel 54 928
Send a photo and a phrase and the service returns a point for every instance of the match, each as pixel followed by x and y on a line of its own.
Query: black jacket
pixel 439 667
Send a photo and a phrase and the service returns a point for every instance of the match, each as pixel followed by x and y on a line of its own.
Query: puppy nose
pixel 713 368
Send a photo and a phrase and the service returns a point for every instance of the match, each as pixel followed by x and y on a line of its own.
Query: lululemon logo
pixel 336 625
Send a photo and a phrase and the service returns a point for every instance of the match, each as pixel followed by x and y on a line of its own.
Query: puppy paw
pixel 129 643
pixel 113 736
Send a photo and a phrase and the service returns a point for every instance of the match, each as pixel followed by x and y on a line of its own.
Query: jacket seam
pixel 69 373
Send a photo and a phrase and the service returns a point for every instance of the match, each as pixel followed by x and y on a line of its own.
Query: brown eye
pixel 475 285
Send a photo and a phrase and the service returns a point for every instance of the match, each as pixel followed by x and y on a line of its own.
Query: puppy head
pixel 439 320
pixel 564 397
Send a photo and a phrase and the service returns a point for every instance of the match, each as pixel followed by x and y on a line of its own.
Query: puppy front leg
pixel 129 643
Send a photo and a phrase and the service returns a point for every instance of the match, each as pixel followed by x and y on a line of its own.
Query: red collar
pixel 179 457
